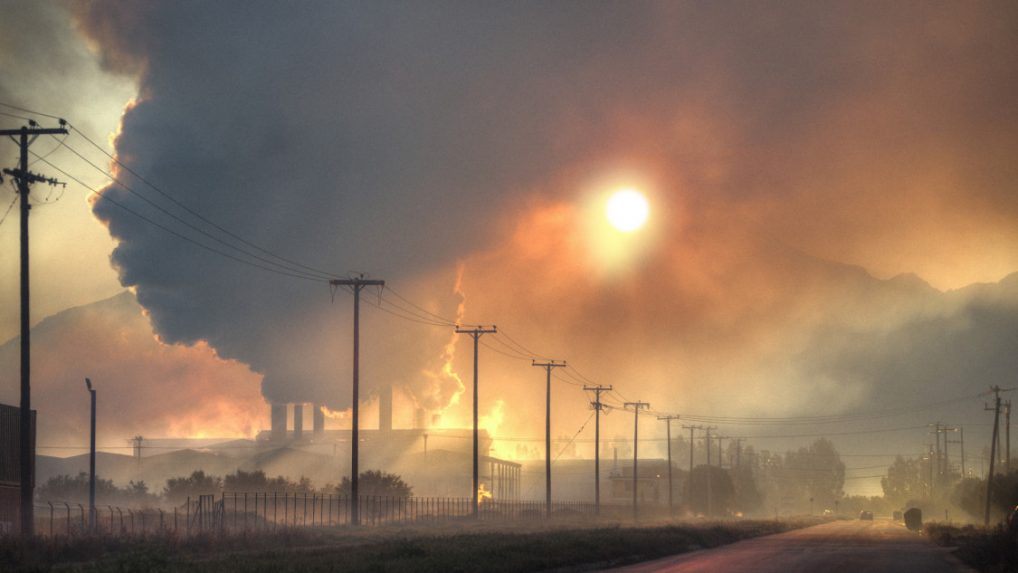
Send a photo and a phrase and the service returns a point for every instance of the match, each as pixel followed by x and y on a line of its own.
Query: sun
pixel 627 210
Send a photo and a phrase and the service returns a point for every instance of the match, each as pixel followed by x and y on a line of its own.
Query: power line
pixel 175 233
pixel 322 275
pixel 8 211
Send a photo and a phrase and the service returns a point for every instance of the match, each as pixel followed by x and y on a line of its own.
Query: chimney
pixel 277 414
pixel 318 419
pixel 385 409
pixel 298 421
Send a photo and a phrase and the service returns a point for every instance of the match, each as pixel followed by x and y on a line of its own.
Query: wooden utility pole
pixel 1007 437
pixel 598 406
pixel 26 437
pixel 689 480
pixel 548 366
pixel 636 406
pixel 738 451
pixel 668 426
pixel 710 474
pixel 996 390
pixel 476 334
pixel 356 284
pixel 961 431
pixel 939 464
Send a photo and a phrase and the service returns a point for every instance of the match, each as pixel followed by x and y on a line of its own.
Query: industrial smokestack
pixel 298 421
pixel 318 419
pixel 277 414
pixel 385 409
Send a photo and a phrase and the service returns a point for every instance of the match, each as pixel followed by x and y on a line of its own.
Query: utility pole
pixel 721 451
pixel 738 451
pixel 939 463
pixel 993 447
pixel 636 406
pixel 962 433
pixel 668 426
pixel 476 334
pixel 689 480
pixel 710 500
pixel 947 457
pixel 91 461
pixel 356 284
pixel 598 406
pixel 24 179
pixel 548 366
pixel 1007 437
pixel 708 440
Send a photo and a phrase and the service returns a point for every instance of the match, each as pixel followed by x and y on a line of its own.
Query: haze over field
pixel 831 222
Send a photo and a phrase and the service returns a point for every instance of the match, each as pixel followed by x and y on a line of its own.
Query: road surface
pixel 842 546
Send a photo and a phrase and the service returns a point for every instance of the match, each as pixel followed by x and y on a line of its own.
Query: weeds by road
pixel 990 550
pixel 464 548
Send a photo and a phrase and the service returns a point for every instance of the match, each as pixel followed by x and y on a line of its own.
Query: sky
pixel 826 183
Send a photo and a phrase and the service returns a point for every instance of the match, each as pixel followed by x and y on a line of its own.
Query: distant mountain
pixel 144 387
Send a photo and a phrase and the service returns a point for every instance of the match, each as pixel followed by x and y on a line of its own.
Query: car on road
pixel 867 515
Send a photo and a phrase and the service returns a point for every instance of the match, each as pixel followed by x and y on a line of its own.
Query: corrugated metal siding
pixel 10 430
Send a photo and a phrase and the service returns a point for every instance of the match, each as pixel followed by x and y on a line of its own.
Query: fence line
pixel 242 512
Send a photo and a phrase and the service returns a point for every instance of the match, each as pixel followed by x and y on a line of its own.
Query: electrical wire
pixel 316 274
pixel 175 233
pixel 8 211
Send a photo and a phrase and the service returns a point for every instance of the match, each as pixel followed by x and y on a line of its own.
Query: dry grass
pixel 452 547
pixel 990 550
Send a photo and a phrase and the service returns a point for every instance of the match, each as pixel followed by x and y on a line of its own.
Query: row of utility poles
pixel 357 284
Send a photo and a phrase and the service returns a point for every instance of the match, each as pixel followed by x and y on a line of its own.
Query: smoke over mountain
pixel 403 140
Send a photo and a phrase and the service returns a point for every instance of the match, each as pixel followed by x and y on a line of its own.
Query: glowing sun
pixel 627 210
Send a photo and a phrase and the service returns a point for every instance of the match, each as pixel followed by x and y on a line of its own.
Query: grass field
pixel 575 546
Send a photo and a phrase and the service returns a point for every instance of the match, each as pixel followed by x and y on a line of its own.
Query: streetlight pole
pixel 91 461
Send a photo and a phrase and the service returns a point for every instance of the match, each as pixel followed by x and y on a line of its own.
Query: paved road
pixel 843 546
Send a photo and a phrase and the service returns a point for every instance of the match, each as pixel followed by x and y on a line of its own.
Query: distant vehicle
pixel 867 515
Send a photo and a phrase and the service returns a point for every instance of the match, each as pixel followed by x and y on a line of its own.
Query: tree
pixel 198 483
pixel 904 481
pixel 375 482
pixel 817 473
pixel 970 495
pixel 718 483
pixel 75 489
pixel 747 496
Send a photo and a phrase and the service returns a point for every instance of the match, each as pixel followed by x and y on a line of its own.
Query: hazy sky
pixel 795 155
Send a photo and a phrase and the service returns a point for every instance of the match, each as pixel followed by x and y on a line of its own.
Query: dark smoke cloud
pixel 399 139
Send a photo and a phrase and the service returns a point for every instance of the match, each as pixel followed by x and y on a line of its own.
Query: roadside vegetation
pixel 458 547
pixel 989 550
